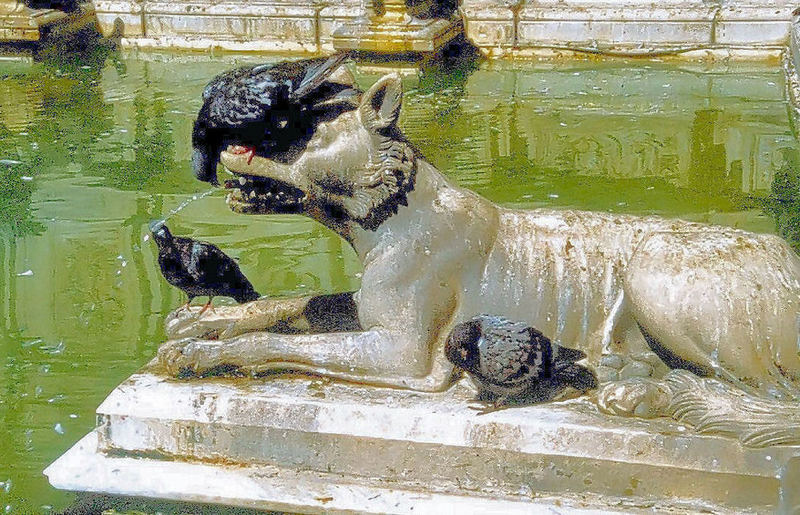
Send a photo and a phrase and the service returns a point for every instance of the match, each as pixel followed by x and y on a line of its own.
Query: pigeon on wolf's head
pixel 513 363
pixel 269 109
pixel 199 268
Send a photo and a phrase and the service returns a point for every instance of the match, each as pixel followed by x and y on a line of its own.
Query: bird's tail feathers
pixel 568 355
pixel 247 296
pixel 577 376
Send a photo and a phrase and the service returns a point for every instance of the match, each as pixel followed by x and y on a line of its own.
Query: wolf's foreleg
pixel 377 357
pixel 313 313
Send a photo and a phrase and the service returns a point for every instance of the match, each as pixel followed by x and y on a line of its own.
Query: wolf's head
pixel 355 167
pixel 271 108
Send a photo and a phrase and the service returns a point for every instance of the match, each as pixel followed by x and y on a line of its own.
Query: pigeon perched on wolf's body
pixel 199 268
pixel 513 363
pixel 267 109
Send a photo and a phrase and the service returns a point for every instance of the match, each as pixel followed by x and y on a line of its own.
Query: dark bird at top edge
pixel 269 109
pixel 512 363
pixel 199 268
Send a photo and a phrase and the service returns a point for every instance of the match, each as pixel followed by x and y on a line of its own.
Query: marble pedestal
pixel 304 445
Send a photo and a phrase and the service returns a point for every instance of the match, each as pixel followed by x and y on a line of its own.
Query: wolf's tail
pixel 712 406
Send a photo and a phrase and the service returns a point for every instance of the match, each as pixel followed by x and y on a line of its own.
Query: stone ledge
pixel 83 468
pixel 200 43
pixel 625 26
pixel 431 443
pixel 417 35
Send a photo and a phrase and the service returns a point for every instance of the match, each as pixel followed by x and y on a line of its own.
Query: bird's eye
pixel 463 354
pixel 282 124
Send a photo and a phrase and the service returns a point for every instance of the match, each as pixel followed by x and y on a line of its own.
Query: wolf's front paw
pixel 189 356
pixel 637 397
pixel 613 367
pixel 185 323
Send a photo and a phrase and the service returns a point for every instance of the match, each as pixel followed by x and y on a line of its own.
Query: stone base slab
pixel 84 468
pixel 422 447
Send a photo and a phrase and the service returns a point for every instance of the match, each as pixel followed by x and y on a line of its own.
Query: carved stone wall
pixel 501 27
pixel 497 27
pixel 303 26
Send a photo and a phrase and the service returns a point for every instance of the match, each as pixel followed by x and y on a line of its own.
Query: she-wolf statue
pixel 720 307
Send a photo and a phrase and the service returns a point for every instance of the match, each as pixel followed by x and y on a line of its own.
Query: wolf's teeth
pixel 269 195
pixel 242 181
pixel 252 194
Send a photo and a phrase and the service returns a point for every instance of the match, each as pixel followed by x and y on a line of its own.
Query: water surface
pixel 92 150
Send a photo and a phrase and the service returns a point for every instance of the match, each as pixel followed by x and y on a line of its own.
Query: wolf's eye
pixel 463 354
pixel 282 124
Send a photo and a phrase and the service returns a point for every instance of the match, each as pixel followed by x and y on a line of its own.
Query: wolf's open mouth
pixel 261 194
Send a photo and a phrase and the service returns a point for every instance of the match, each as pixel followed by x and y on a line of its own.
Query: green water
pixel 103 148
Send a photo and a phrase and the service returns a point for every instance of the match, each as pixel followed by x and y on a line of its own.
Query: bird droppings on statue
pixel 512 363
pixel 199 268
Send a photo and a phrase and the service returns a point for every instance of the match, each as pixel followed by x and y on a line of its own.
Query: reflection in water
pixel 104 147
pixel 707 171
pixel 783 204
pixel 16 196
pixel 673 140
pixel 153 147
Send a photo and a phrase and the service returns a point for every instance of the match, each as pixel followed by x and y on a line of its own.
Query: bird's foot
pixel 485 408
pixel 242 149
pixel 206 307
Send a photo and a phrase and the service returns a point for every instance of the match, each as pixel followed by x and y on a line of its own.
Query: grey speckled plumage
pixel 513 363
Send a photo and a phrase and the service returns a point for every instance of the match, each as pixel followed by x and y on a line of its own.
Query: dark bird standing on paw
pixel 513 363
pixel 269 109
pixel 199 268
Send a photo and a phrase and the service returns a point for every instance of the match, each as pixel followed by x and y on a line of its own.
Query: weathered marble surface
pixel 498 27
pixel 303 26
pixel 305 445
pixel 628 27
pixel 791 65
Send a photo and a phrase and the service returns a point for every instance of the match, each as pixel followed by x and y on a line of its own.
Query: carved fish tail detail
pixel 711 406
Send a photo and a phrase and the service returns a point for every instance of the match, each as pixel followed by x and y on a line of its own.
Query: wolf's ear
pixel 380 106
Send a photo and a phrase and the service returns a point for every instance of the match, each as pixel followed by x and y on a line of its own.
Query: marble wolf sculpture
pixel 719 302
